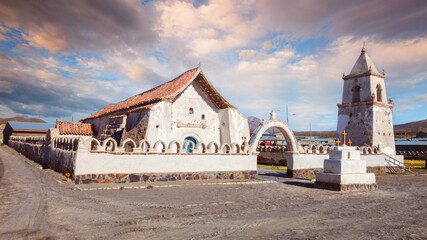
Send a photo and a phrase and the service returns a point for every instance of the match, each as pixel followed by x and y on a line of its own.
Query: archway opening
pixel 110 146
pixel 191 139
pixel 93 145
pixel 129 146
pixel 289 145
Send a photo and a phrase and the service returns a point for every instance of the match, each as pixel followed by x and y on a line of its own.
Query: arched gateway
pixel 291 141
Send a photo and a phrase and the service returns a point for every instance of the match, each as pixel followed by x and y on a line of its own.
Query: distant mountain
pixel 254 123
pixel 20 119
pixel 411 127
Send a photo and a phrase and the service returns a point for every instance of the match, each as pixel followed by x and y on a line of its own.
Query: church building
pixel 365 114
pixel 187 108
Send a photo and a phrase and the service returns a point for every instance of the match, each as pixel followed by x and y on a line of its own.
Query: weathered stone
pixel 86 181
pixel 134 178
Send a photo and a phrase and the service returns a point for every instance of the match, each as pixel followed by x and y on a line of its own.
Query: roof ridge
pixel 150 96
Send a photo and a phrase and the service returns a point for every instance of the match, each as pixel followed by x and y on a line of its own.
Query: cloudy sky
pixel 61 58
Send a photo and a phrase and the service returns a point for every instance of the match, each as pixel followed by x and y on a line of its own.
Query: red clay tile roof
pixel 74 128
pixel 169 89
pixel 118 116
pixel 145 107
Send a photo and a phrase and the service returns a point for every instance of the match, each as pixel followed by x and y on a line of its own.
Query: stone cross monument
pixel 365 113
pixel 345 171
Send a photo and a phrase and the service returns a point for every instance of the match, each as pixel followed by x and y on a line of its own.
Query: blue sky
pixel 64 59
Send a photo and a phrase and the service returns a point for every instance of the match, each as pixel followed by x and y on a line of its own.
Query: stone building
pixel 187 108
pixel 24 129
pixel 365 114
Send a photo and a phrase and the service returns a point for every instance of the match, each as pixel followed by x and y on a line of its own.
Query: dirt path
pixel 38 204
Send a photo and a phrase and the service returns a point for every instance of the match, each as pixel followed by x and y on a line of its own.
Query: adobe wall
pixel 31 147
pixel 59 154
pixel 158 162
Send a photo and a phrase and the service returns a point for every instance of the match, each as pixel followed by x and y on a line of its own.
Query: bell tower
pixel 364 112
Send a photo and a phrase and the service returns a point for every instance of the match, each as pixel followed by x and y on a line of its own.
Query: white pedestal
pixel 345 171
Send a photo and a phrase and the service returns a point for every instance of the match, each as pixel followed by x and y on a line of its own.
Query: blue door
pixel 191 139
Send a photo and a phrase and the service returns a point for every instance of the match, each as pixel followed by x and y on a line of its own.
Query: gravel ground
pixel 39 204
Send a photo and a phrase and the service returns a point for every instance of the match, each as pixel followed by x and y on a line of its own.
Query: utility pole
pixel 287 115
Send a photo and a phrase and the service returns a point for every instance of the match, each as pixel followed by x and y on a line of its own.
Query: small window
pixel 203 116
pixel 191 111
pixel 356 94
pixel 379 93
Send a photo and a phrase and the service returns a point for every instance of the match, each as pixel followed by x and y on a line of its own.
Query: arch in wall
pixel 364 150
pixel 321 149
pixel 144 145
pixel 75 144
pixel 110 144
pixel 201 147
pixel 225 148
pixel 156 146
pixel 128 144
pixel 379 93
pixel 188 147
pixel 313 148
pixel 174 147
pixel 356 93
pixel 289 136
pixel 213 147
pixel 235 148
pixel 375 150
pixel 190 139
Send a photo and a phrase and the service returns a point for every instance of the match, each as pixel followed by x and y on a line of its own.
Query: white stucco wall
pixel 383 132
pixel 185 124
pixel 170 121
pixel 309 161
pixel 104 163
pixel 234 126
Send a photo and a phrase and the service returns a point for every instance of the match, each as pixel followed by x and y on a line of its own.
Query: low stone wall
pixel 163 177
pixel 112 163
pixel 62 161
pixel 346 187
pixel 377 170
pixel 58 154
pixel 303 173
pixel 272 158
pixel 303 165
pixel 418 155
pixel 31 147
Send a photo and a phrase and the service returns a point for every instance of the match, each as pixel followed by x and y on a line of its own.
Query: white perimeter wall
pixel 104 163
pixel 309 161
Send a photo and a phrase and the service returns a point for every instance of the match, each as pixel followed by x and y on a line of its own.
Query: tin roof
pixel 30 126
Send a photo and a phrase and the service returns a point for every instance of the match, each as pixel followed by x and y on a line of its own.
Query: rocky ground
pixel 39 204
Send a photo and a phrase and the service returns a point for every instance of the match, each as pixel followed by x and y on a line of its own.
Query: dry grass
pixel 270 167
pixel 415 163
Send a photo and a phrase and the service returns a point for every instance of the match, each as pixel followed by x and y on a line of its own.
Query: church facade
pixel 187 108
pixel 365 113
